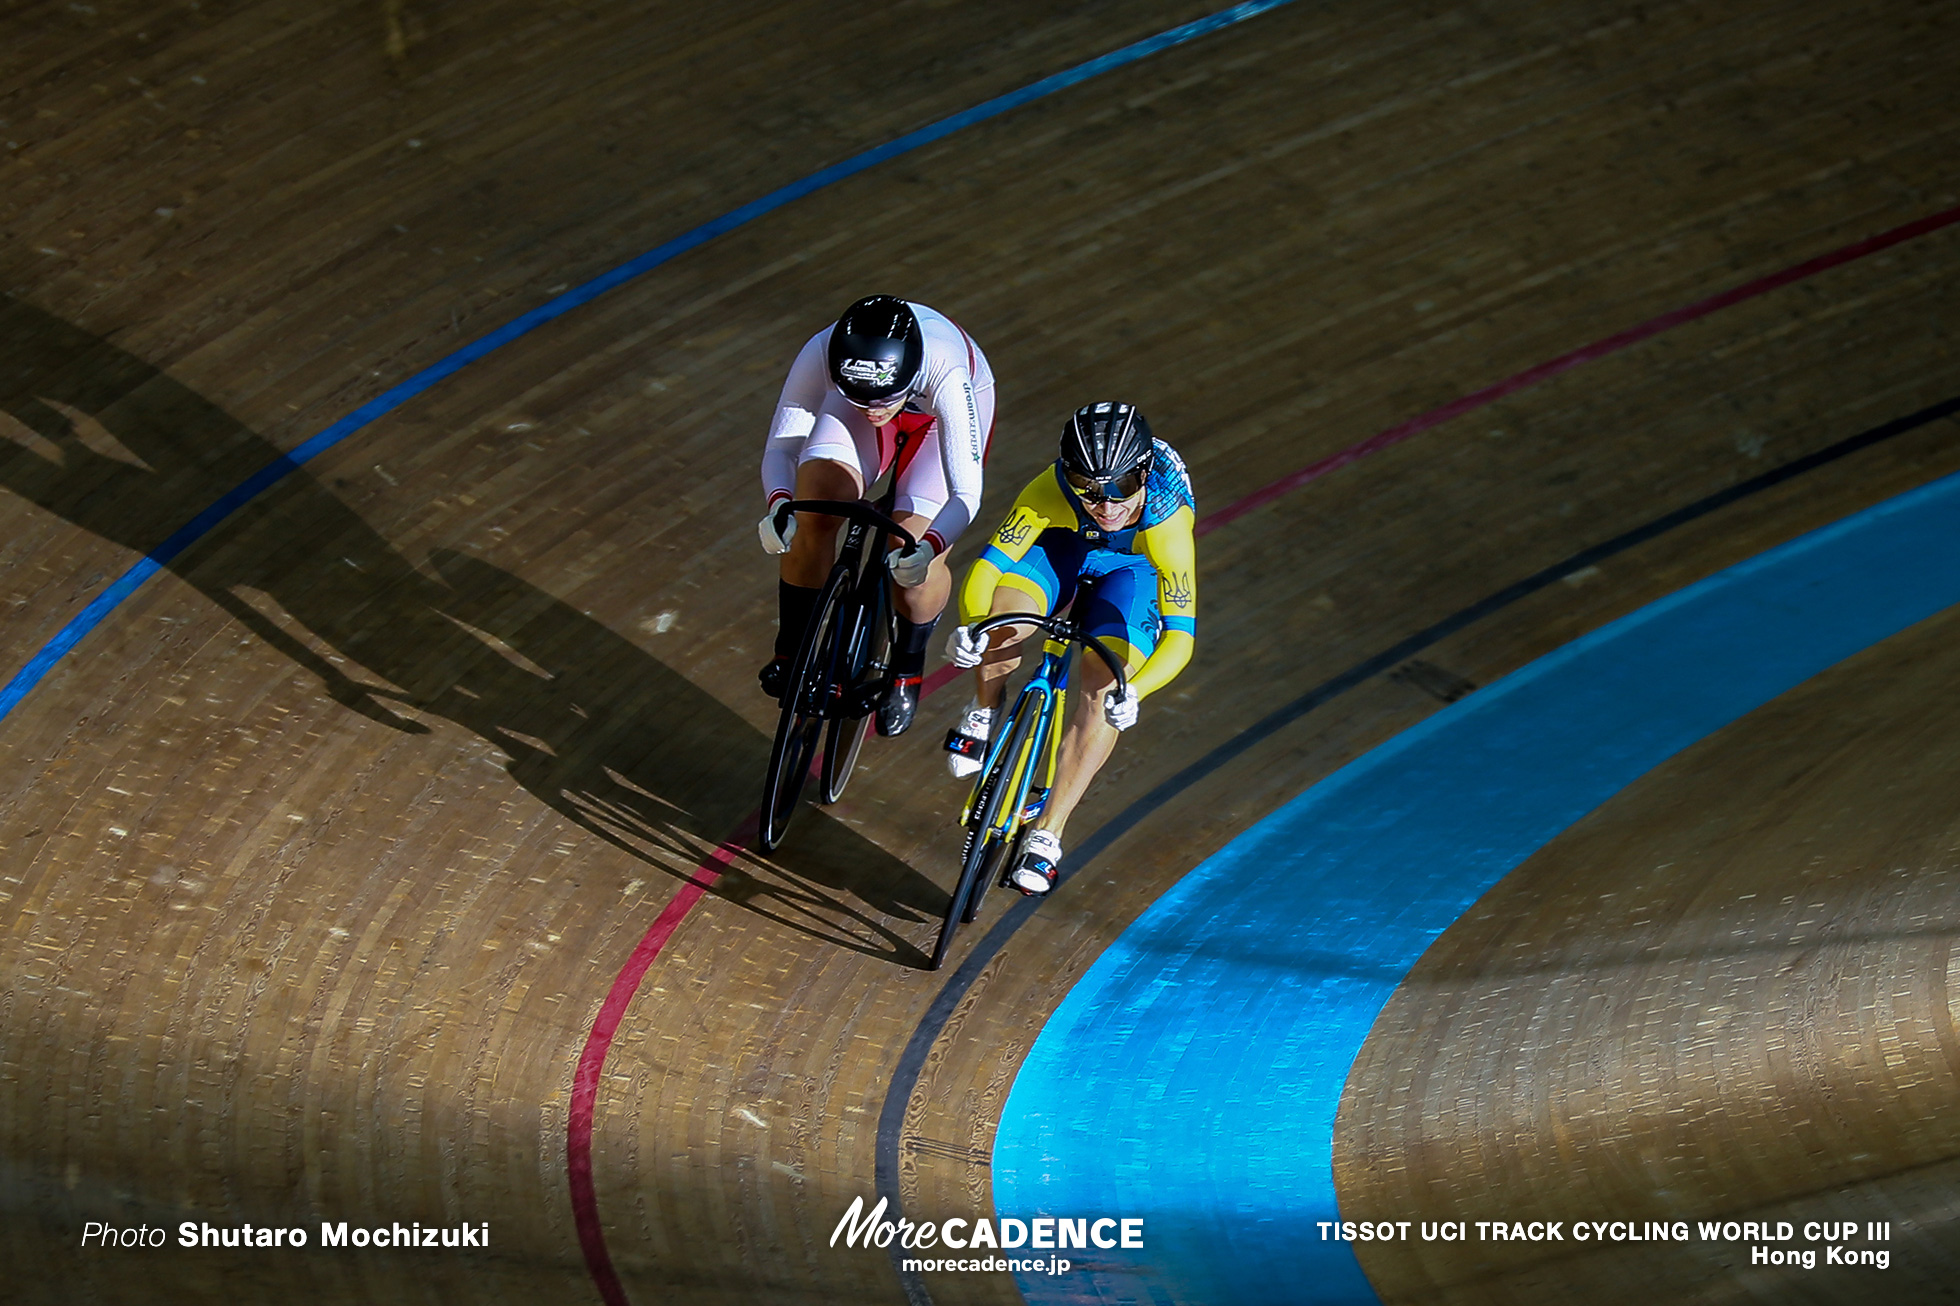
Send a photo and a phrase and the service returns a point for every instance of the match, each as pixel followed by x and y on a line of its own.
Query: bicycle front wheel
pixel 863 650
pixel 1034 717
pixel 991 825
pixel 808 694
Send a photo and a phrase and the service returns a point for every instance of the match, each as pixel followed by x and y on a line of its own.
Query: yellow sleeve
pixel 1172 550
pixel 1039 504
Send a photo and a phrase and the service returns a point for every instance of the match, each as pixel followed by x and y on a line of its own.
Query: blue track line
pixel 1193 1075
pixel 912 1060
pixel 37 668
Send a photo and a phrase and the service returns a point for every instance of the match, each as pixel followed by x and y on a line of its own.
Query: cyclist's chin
pixel 1112 521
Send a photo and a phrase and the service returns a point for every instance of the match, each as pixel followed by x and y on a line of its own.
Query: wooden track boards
pixel 322 853
pixel 1726 994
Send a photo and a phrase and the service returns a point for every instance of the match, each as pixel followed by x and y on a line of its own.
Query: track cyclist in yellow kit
pixel 1107 528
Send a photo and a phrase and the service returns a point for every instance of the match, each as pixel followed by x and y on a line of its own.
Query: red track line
pixel 1566 362
pixel 585 1081
pixel 938 679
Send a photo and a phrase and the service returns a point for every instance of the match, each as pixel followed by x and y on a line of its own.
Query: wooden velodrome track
pixel 321 854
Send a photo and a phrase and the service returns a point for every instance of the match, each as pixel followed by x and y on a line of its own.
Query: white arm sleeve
pixel 962 454
pixel 796 414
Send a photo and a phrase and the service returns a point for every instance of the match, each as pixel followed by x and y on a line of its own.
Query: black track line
pixel 905 1075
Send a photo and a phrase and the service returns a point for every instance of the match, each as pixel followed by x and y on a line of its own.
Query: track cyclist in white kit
pixel 888 381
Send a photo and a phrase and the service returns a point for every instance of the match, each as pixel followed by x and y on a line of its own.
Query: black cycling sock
pixel 909 656
pixel 795 603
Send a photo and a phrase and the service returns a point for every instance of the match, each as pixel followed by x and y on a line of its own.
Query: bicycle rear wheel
pixel 864 651
pixel 810 690
pixel 984 845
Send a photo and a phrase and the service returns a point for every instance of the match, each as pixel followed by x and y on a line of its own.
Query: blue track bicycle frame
pixel 1046 692
pixel 1028 738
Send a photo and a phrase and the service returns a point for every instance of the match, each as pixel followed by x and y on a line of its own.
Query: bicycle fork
pixel 1045 698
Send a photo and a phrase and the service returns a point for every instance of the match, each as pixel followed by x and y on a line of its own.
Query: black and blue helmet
pixel 1106 450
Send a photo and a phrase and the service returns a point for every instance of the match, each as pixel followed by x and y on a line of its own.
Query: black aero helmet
pixel 1106 451
pixel 876 350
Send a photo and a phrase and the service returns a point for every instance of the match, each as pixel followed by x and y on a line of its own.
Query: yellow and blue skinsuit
pixel 1140 582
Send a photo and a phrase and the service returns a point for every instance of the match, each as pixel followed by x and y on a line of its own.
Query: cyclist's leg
pixel 918 607
pixel 1043 581
pixel 1003 656
pixel 966 743
pixel 919 492
pixel 1119 609
pixel 917 495
pixel 814 547
pixel 839 456
pixel 831 467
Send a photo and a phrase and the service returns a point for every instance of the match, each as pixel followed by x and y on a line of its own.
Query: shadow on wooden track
pixel 594 726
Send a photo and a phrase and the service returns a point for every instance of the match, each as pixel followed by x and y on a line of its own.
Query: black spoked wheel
pixel 984 848
pixel 800 726
pixel 863 653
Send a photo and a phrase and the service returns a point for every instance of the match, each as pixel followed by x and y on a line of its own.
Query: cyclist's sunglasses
pixel 1091 490
pixel 889 401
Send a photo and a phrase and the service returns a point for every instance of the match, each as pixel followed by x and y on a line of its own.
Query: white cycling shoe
pixel 1041 857
pixel 966 743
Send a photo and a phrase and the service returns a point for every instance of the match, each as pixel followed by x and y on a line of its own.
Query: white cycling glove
pixel 771 541
pixel 908 566
pixel 965 648
pixel 1120 710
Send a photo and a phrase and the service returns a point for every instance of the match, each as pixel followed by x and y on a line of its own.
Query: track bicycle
pixel 1026 739
pixel 842 665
